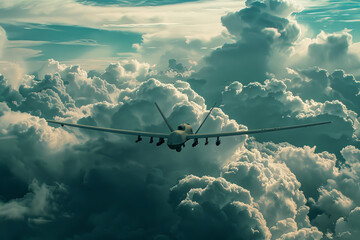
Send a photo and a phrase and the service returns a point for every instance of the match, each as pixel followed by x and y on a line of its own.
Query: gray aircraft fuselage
pixel 178 138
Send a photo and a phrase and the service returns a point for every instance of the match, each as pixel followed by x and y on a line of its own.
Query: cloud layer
pixel 65 183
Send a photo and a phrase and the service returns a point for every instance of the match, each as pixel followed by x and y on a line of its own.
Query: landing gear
pixel 206 141
pixel 151 140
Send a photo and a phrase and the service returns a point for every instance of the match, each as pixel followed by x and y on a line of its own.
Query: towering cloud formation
pixel 263 34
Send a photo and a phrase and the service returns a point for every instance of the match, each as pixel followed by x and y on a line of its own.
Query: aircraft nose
pixel 176 138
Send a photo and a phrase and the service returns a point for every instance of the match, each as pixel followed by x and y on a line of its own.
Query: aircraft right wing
pixel 113 130
pixel 225 134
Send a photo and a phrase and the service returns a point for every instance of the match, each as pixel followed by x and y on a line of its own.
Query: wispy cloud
pixel 137 25
pixel 187 19
pixel 8 138
pixel 81 42
pixel 132 3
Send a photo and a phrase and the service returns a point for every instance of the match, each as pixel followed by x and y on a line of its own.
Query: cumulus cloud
pixel 262 32
pixel 76 184
pixel 188 49
pixel 326 186
pixel 321 85
pixel 243 188
pixel 225 210
pixel 348 228
pixel 37 203
pixel 333 205
pixel 275 103
pixel 62 155
pixel 328 50
pixel 253 180
pixel 274 187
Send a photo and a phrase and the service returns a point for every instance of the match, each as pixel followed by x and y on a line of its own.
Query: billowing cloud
pixel 329 50
pixel 348 228
pixel 222 208
pixel 48 154
pixel 320 85
pixel 274 102
pixel 263 32
pixel 241 187
pixel 35 203
pixel 67 183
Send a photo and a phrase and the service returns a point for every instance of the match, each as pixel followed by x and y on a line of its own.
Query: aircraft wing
pixel 112 130
pixel 225 134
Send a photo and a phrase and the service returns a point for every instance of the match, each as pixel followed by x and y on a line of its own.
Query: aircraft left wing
pixel 113 130
pixel 225 134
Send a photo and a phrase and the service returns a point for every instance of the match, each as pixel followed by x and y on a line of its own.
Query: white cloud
pixel 275 189
pixel 216 208
pixel 243 188
pixel 334 205
pixel 264 187
pixel 304 233
pixel 349 228
pixel 331 51
pixel 3 40
pixel 276 103
pixel 37 205
pixel 195 24
pixel 176 20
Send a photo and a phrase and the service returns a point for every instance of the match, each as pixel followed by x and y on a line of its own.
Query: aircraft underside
pixel 176 147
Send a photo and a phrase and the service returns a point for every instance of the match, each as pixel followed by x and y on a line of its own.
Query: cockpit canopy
pixel 185 127
pixel 181 127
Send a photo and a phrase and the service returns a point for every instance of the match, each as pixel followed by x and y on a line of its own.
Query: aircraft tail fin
pixel 205 118
pixel 163 116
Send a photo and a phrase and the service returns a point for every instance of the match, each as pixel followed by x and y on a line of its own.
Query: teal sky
pixel 107 37
pixel 332 16
pixel 63 42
